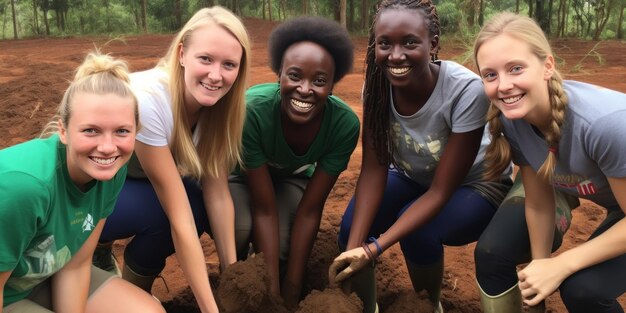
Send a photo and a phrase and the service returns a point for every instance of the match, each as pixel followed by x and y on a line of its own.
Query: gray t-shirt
pixel 457 105
pixel 591 146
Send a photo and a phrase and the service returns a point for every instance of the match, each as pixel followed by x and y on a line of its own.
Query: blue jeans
pixel 138 213
pixel 460 221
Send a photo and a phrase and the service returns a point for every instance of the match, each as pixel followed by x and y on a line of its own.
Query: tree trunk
pixel 530 8
pixel 269 9
pixel 178 13
pixel 620 29
pixel 603 12
pixel 481 17
pixel 549 16
pixel 144 15
pixel 365 14
pixel 45 22
pixel 516 6
pixel 35 18
pixel 305 8
pixel 14 19
pixel 342 13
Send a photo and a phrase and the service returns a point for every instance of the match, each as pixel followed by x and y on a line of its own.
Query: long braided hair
pixel 498 153
pixel 376 91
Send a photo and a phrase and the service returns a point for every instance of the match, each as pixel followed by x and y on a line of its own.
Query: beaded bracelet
pixel 379 249
pixel 369 253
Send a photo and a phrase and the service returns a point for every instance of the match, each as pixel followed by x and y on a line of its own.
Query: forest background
pixel 592 19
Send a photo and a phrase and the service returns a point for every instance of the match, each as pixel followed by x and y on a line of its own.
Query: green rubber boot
pixel 103 258
pixel 141 281
pixel 363 283
pixel 428 278
pixel 509 301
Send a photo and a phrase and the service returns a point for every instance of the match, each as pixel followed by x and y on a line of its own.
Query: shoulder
pixel 36 157
pixel 262 94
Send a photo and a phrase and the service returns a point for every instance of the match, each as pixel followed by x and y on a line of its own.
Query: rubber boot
pixel 539 308
pixel 141 281
pixel 363 283
pixel 103 258
pixel 509 301
pixel 428 278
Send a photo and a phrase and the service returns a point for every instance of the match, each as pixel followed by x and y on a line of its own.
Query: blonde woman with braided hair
pixel 564 136
pixel 192 115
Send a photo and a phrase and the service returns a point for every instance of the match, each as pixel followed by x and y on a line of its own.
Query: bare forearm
pixel 191 259
pixel 368 195
pixel 606 246
pixel 266 239
pixel 304 232
pixel 223 229
pixel 540 230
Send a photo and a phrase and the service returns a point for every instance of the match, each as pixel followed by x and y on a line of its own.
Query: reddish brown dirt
pixel 34 73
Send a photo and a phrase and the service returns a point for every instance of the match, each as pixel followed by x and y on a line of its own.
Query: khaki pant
pixel 40 299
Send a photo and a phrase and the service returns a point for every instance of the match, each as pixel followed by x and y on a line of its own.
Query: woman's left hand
pixel 540 279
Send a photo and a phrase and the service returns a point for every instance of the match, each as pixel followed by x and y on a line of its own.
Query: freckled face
pixel 306 81
pixel 403 46
pixel 515 79
pixel 211 62
pixel 99 137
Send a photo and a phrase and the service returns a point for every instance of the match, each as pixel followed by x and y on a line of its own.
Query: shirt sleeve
pixel 24 201
pixel 253 155
pixel 345 137
pixel 153 113
pixel 605 144
pixel 470 108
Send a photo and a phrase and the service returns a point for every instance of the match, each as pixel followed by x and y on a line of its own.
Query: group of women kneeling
pixel 253 168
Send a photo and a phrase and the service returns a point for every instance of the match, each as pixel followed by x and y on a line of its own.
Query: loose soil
pixel 35 72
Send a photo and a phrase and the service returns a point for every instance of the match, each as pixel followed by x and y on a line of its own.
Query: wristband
pixel 379 249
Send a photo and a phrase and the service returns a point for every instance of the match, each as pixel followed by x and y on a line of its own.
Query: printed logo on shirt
pixel 88 223
pixel 575 183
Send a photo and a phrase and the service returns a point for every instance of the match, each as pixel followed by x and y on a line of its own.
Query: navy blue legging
pixel 505 244
pixel 138 213
pixel 460 221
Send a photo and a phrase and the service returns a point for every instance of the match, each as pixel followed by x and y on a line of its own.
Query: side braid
pixel 498 153
pixel 558 103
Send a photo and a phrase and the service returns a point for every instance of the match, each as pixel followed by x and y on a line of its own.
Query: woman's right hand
pixel 346 264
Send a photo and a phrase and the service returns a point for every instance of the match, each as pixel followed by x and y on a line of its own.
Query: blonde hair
pixel 221 125
pixel 525 29
pixel 98 74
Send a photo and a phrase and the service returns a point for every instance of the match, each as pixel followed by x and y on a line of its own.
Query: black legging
pixel 505 244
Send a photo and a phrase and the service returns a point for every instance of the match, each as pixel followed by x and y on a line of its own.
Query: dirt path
pixel 34 74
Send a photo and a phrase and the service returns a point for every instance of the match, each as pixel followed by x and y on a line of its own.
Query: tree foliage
pixel 593 19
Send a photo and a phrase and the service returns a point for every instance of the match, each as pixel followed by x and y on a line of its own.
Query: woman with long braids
pixel 564 136
pixel 421 181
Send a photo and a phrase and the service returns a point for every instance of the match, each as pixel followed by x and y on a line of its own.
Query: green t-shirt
pixel 264 143
pixel 44 218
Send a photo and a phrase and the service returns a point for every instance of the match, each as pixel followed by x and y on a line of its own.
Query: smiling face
pixel 99 137
pixel 211 59
pixel 403 46
pixel 515 79
pixel 306 80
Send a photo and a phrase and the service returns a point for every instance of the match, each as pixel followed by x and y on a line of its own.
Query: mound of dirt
pixel 331 300
pixel 411 302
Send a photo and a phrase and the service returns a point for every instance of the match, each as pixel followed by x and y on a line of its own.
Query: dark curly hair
pixel 324 32
pixel 376 97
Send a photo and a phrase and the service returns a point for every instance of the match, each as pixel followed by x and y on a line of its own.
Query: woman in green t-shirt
pixel 297 139
pixel 56 193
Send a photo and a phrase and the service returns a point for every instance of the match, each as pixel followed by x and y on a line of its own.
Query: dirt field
pixel 34 73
